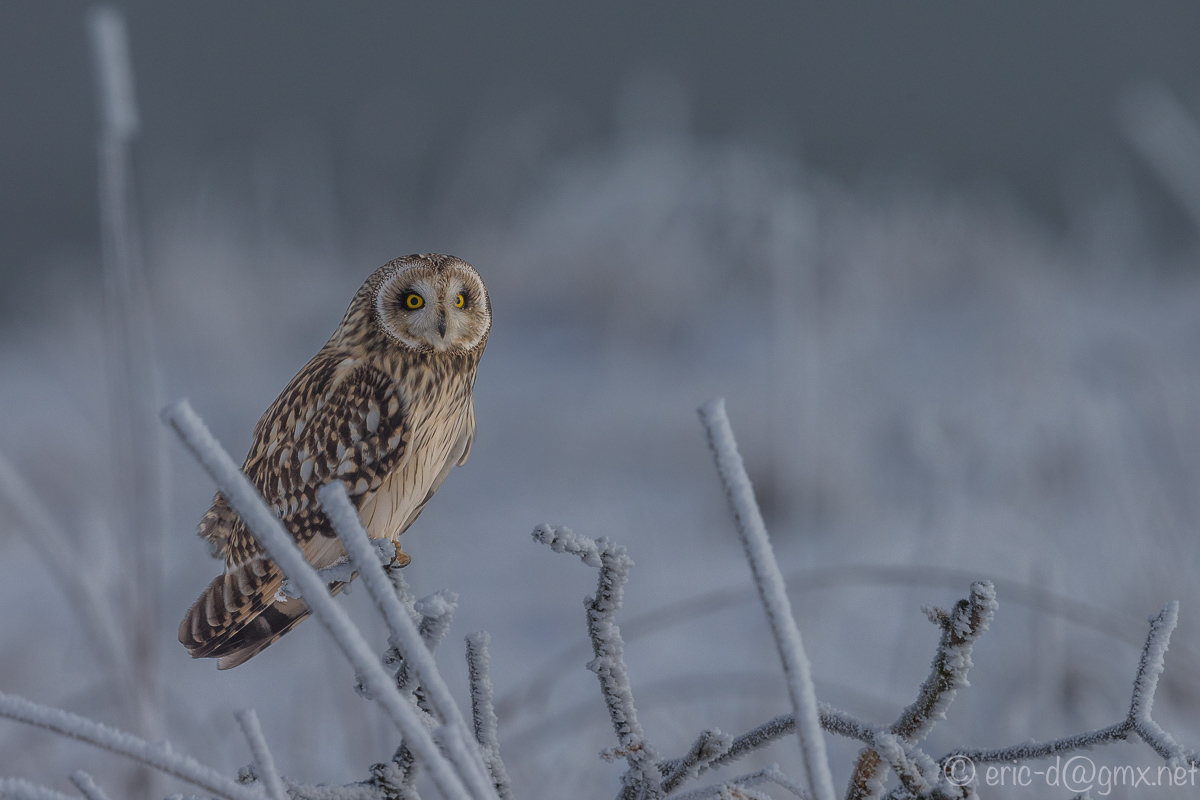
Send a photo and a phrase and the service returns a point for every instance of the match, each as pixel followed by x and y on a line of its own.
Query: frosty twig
pixel 773 594
pixel 264 763
pixel 140 465
pixel 483 713
pixel 770 774
pixel 609 663
pixel 406 638
pixel 960 629
pixel 160 756
pixel 832 720
pixel 1138 720
pixel 18 789
pixel 87 786
pixel 707 748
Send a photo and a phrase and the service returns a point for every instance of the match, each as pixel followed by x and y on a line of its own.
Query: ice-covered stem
pixel 406 637
pixel 1150 667
pixel 141 467
pixel 483 713
pixel 396 576
pixel 832 720
pixel 264 762
pixel 890 747
pixel 86 786
pixel 1031 751
pixel 395 778
pixel 740 786
pixel 1138 720
pixel 771 591
pixel 609 650
pixel 18 789
pixel 434 613
pixel 340 571
pixel 960 629
pixel 322 791
pixel 708 747
pixel 278 543
pixel 160 756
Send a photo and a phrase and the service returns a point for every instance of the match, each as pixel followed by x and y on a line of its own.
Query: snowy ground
pixel 927 387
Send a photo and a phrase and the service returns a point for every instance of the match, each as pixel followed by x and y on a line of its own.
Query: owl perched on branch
pixel 385 407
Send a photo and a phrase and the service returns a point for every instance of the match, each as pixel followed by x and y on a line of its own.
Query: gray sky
pixel 1015 95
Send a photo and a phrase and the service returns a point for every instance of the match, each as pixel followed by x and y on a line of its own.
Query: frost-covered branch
pixel 274 538
pixel 140 468
pixel 340 571
pixel 643 778
pixel 433 613
pixel 323 791
pixel 769 774
pixel 87 786
pixel 406 638
pixel 832 720
pixel 960 629
pixel 483 713
pixel 1138 720
pixel 18 789
pixel 159 756
pixel 769 580
pixel 264 762
pixel 707 748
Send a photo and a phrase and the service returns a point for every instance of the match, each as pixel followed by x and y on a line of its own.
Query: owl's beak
pixel 442 325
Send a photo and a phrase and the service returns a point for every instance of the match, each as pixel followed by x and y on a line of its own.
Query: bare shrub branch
pixel 18 789
pixel 406 637
pixel 483 713
pixel 773 593
pixel 609 650
pixel 86 786
pixel 162 756
pixel 264 763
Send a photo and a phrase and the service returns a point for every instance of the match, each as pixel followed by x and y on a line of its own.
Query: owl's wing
pixel 336 419
pixel 468 435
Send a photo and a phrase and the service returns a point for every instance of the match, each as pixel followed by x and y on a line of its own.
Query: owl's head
pixel 432 302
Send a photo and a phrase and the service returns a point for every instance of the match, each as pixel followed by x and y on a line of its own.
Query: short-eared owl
pixel 385 407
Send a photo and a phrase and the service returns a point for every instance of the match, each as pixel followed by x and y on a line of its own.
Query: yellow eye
pixel 460 301
pixel 413 300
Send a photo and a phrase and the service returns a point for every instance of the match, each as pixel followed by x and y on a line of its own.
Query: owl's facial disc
pixel 432 309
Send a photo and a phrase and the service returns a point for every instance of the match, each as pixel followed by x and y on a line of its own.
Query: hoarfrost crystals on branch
pixel 769 580
pixel 466 767
pixel 484 713
pixel 643 776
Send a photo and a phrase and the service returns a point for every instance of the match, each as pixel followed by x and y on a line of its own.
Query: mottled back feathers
pixel 387 419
